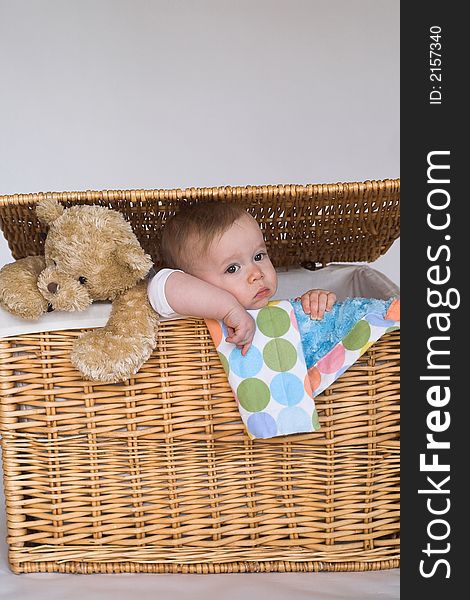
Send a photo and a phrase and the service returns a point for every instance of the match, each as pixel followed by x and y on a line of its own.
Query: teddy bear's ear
pixel 135 259
pixel 48 210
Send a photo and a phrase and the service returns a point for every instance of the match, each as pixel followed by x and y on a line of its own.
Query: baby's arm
pixel 188 295
pixel 316 302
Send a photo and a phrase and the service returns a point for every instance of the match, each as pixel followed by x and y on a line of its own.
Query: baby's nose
pixel 255 274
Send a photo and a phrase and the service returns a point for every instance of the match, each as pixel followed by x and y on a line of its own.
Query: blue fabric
pixel 319 337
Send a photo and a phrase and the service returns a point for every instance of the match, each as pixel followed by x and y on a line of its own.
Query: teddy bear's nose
pixel 53 287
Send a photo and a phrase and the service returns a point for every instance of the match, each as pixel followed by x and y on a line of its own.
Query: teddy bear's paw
pixel 103 356
pixel 19 293
pixel 31 307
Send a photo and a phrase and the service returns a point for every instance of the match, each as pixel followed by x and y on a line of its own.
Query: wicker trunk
pixel 157 474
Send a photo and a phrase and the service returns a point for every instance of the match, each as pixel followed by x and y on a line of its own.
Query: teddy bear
pixel 91 253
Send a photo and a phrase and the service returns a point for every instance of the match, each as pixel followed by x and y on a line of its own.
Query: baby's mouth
pixel 262 293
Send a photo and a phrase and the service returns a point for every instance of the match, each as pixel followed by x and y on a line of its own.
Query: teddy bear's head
pixel 91 254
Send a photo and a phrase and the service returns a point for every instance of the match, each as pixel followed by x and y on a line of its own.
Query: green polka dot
pixel 358 336
pixel 393 328
pixel 280 355
pixel 273 321
pixel 224 362
pixel 315 420
pixel 253 394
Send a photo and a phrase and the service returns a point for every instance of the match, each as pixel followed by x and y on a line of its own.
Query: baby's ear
pixel 134 258
pixel 48 210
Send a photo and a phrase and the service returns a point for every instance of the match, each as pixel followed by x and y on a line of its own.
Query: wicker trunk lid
pixel 342 222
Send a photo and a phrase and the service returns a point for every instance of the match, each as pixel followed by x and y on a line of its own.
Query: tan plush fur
pixel 91 253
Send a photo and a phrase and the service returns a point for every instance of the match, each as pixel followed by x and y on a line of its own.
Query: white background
pixel 107 94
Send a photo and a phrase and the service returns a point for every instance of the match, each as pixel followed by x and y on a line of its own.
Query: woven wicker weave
pixel 157 474
pixel 343 222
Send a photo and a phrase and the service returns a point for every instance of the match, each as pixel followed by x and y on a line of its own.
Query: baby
pixel 220 268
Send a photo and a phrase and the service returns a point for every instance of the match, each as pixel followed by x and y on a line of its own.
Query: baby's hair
pixel 193 228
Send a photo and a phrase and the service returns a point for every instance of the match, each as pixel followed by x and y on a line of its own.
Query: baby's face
pixel 239 263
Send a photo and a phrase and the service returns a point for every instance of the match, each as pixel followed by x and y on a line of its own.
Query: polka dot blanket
pixel 293 359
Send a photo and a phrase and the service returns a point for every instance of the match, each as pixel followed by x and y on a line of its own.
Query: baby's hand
pixel 241 328
pixel 315 302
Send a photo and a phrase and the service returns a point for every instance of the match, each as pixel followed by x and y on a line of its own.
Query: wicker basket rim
pixel 224 190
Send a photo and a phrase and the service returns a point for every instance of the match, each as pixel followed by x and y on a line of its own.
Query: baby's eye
pixel 259 256
pixel 232 269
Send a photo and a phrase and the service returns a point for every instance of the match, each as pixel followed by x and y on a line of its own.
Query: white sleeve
pixel 156 293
